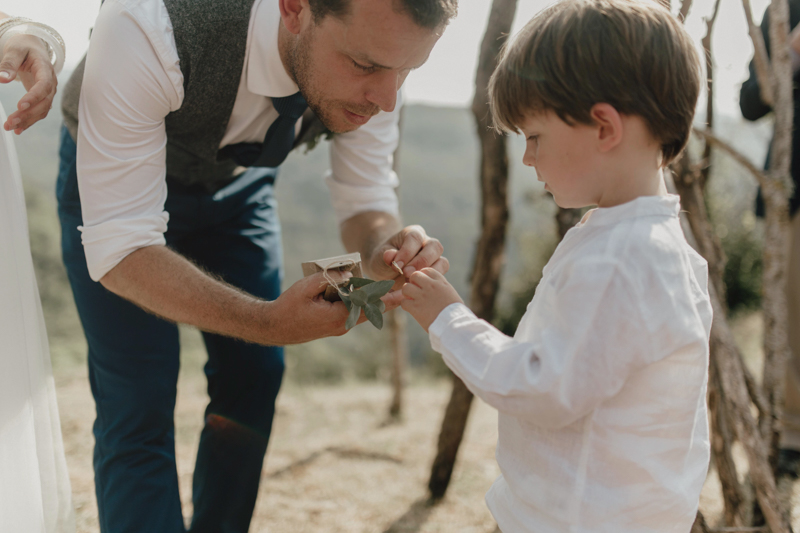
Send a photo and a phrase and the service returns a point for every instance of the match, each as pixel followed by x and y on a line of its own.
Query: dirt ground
pixel 334 464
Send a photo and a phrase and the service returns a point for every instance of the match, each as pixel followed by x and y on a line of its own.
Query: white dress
pixel 34 485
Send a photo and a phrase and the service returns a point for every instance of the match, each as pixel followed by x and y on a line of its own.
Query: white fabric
pixel 601 393
pixel 133 80
pixel 34 486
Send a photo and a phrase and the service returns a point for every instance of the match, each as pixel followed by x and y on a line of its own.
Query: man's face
pixel 349 69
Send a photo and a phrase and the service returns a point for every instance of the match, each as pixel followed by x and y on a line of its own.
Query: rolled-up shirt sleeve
pixel 593 340
pixel 361 176
pixel 132 81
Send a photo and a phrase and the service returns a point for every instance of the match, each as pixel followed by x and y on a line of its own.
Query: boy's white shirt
pixel 601 393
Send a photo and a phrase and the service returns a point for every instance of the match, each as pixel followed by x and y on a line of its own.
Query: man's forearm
pixel 167 284
pixel 366 232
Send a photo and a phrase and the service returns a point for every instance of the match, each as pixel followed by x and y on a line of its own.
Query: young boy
pixel 601 392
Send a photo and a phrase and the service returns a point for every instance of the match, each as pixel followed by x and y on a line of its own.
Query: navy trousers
pixel 134 361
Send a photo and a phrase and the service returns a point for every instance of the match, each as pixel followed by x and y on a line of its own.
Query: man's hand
pixel 301 314
pixel 25 57
pixel 168 285
pixel 381 240
pixel 411 249
pixel 427 293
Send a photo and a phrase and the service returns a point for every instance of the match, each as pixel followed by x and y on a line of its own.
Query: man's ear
pixel 609 126
pixel 293 12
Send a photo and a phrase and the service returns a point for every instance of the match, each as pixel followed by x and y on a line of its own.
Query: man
pixel 753 108
pixel 178 97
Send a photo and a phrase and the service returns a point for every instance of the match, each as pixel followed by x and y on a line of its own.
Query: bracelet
pixel 56 48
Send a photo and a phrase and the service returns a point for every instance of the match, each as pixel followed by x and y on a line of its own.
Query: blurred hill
pixel 439 190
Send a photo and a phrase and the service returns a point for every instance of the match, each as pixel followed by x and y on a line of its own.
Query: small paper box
pixel 342 263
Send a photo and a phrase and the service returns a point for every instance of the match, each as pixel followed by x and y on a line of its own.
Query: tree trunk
pixel 776 195
pixel 397 322
pixel 489 257
pixel 565 219
pixel 399 340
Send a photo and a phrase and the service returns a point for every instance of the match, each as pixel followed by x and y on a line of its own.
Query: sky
pixel 448 76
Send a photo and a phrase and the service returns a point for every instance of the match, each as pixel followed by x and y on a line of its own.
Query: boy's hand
pixel 427 293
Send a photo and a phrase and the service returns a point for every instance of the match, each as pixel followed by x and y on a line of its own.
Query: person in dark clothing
pixel 753 108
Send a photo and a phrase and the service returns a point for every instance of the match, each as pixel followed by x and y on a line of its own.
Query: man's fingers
pixel 414 239
pixel 316 284
pixel 426 257
pixel 442 265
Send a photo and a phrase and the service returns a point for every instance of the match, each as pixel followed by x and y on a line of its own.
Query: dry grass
pixel 335 465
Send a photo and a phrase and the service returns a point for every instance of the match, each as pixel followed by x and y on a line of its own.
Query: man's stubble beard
pixel 302 69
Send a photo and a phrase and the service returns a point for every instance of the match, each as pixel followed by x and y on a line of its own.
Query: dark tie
pixel 279 139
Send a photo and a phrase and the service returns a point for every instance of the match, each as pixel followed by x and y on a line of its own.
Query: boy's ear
pixel 292 14
pixel 609 126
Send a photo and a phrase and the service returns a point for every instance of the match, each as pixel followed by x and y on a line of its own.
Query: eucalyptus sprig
pixel 362 293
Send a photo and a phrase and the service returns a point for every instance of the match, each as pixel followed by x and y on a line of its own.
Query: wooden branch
pixel 738 401
pixel 756 394
pixel 397 321
pixel 722 440
pixel 760 57
pixel 776 193
pixel 759 175
pixel 727 367
pixel 741 529
pixel 489 257
pixel 684 11
pixel 706 41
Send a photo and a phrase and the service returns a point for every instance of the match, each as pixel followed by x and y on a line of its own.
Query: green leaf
pixel 352 320
pixel 381 306
pixel 377 289
pixel 359 297
pixel 374 315
pixel 346 299
pixel 359 282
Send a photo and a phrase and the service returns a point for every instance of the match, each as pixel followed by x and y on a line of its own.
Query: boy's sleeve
pixel 590 341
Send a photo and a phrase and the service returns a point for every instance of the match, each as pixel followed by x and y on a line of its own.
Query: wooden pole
pixel 491 246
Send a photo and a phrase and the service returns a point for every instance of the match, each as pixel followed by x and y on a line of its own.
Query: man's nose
pixel 383 90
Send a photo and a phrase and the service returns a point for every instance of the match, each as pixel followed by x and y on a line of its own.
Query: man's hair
pixel 425 13
pixel 631 54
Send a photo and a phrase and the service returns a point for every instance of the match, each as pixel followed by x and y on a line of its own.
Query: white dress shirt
pixel 133 81
pixel 601 392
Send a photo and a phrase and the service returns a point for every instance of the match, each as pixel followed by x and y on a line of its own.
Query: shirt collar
pixel 265 73
pixel 643 206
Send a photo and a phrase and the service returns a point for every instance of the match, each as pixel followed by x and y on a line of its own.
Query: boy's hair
pixel 631 54
pixel 425 13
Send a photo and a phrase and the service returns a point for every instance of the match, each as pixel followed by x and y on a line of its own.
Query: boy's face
pixel 564 157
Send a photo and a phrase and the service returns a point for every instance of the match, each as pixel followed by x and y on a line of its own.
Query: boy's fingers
pixel 434 274
pixel 411 291
pixel 420 278
pixel 393 300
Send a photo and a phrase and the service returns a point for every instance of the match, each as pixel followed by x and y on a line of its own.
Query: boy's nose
pixel 529 158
